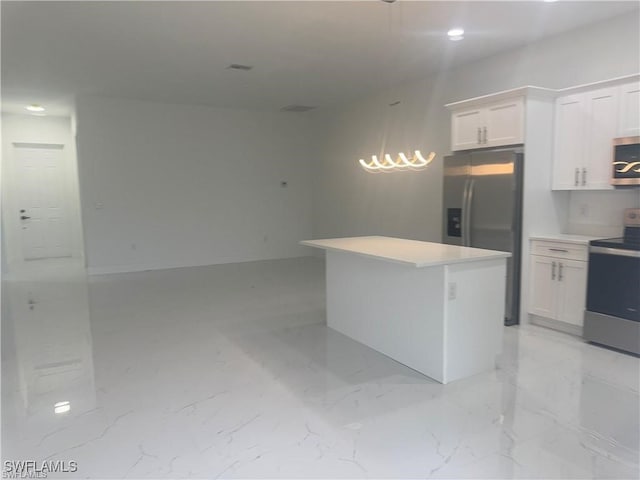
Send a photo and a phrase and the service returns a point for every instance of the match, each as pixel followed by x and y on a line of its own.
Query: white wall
pixel 35 129
pixel 175 185
pixel 600 213
pixel 349 201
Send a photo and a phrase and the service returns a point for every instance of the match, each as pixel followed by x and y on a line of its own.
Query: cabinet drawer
pixel 569 251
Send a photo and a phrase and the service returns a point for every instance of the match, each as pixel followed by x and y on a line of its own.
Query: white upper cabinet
pixel 571 116
pixel 492 124
pixel 602 128
pixel 629 113
pixel 587 119
pixel 585 125
pixel 504 123
pixel 466 129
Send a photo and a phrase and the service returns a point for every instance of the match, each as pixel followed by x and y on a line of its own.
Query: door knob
pixel 24 217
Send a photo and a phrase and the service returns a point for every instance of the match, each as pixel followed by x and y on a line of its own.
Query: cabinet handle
pixel 479 136
pixel 559 250
pixel 560 271
pixel 577 177
pixel 584 177
pixel 484 131
pixel 553 270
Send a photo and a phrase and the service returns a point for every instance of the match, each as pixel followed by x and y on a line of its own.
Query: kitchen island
pixel 438 309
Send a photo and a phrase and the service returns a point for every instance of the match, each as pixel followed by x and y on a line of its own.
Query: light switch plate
pixel 453 290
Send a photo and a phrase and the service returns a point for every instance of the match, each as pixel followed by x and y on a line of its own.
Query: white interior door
pixel 41 192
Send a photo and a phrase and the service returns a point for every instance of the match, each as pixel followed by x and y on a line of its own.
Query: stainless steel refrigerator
pixel 482 202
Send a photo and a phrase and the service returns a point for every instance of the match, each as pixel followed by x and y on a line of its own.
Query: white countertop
pixel 408 252
pixel 566 238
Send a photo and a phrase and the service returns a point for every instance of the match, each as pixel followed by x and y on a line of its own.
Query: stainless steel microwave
pixel 626 161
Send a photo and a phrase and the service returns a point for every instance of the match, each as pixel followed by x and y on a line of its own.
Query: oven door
pixel 614 282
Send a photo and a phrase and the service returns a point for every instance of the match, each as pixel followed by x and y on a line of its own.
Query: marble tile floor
pixel 229 371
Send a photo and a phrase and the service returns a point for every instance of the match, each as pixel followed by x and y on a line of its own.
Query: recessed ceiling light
pixel 34 107
pixel 550 1
pixel 456 34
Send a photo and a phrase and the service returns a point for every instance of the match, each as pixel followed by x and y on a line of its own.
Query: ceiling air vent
pixel 296 108
pixel 239 66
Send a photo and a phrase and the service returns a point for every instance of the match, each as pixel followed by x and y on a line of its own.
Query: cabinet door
pixel 572 291
pixel 569 142
pixel 542 286
pixel 629 116
pixel 466 129
pixel 504 123
pixel 602 127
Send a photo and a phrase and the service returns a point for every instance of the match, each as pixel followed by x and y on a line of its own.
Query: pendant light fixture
pixel 417 162
pixel 384 162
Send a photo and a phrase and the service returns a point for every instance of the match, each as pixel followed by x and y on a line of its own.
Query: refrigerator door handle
pixel 467 207
pixel 465 195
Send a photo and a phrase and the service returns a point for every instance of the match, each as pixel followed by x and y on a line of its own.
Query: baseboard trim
pixel 123 269
pixel 556 325
pixel 115 269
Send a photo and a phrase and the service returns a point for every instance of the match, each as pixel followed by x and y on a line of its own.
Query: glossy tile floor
pixel 230 372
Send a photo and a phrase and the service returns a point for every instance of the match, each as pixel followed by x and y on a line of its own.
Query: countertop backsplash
pixel 599 213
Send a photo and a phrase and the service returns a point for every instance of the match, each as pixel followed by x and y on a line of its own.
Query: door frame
pixel 12 235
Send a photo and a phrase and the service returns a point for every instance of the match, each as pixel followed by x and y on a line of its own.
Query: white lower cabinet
pixel 572 291
pixel 558 284
pixel 543 294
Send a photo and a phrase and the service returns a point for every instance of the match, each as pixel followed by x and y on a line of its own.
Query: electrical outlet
pixel 584 210
pixel 453 290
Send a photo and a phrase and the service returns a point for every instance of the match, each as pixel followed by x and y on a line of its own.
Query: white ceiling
pixel 318 53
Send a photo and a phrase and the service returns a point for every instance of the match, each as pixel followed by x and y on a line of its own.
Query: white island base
pixel 438 309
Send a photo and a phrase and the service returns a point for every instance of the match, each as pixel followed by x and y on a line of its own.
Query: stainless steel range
pixel 612 317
